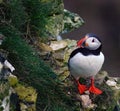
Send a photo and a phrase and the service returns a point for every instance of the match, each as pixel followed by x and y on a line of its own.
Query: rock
pixel 64 75
pixel 58 45
pixel 9 66
pixel 23 107
pixel 4 96
pixel 67 54
pixel 27 97
pixel 111 83
pixel 116 79
pixel 54 25
pixel 21 95
pixel 12 80
pixel 6 103
pixel 71 21
pixel 70 47
pixel 100 77
pixel 59 37
pixel 71 43
pixel 86 101
pixel 27 94
pixel 59 64
pixel 44 47
pixel 59 55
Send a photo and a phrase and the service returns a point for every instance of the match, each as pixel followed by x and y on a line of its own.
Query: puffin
pixel 86 61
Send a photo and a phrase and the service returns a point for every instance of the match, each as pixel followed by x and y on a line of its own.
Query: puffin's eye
pixel 93 40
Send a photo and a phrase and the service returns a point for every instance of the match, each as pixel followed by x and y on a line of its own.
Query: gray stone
pixel 58 45
pixel 111 83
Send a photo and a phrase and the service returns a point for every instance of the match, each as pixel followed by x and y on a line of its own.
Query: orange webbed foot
pixel 93 89
pixel 81 88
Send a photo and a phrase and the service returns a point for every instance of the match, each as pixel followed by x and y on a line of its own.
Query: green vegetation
pixel 31 70
pixel 20 19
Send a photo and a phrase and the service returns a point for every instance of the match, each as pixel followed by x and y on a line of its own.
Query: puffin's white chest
pixel 85 66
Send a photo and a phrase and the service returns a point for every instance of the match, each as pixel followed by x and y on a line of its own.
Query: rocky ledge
pixel 56 54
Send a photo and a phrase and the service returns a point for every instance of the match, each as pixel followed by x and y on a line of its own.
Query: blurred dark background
pixel 101 17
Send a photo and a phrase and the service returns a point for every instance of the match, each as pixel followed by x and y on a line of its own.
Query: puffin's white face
pixel 92 43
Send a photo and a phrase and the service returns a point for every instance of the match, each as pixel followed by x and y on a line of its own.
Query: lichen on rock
pixel 71 21
pixel 27 97
pixel 27 94
pixel 13 80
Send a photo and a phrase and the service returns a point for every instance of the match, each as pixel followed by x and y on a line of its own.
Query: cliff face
pixel 41 80
pixel 33 20
pixel 107 101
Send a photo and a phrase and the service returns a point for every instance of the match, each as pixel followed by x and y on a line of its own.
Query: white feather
pixel 85 66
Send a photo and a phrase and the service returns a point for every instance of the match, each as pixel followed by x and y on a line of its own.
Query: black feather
pixel 86 51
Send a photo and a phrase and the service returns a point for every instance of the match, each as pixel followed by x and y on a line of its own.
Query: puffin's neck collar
pixel 86 51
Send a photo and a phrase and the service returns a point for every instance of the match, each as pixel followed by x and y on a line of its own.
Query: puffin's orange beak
pixel 80 42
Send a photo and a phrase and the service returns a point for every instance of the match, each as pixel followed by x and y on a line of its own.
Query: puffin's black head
pixel 90 41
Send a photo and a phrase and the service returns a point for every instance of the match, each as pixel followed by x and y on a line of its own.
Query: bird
pixel 86 61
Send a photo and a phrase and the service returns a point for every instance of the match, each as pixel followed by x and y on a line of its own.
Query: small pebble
pixel 111 83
